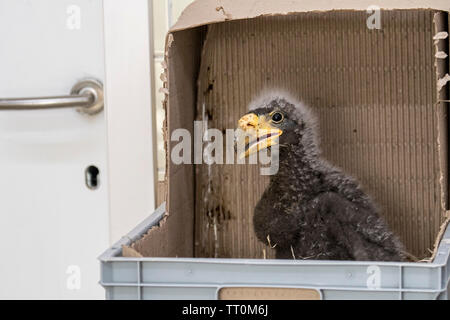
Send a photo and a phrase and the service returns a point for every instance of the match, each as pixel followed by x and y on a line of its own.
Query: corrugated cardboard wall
pixel 374 92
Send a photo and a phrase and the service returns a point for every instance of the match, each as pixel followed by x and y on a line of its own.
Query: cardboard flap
pixel 202 12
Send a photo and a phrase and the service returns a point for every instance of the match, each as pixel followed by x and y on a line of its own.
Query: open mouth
pixel 256 140
pixel 259 140
pixel 259 133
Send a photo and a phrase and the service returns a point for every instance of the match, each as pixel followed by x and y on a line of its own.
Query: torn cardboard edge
pixel 440 21
pixel 441 35
pixel 442 82
pixel 204 12
pixel 441 55
pixel 133 249
pixel 441 25
pixel 206 8
pixel 439 237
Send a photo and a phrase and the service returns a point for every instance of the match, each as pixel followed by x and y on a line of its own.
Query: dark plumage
pixel 312 210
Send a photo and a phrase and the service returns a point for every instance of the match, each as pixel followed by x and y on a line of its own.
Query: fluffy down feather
pixel 311 209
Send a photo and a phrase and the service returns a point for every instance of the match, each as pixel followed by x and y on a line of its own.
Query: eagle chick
pixel 311 209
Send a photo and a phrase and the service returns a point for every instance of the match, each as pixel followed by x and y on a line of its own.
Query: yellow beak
pixel 258 134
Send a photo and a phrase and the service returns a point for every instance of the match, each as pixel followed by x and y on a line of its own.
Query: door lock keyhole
pixel 92 177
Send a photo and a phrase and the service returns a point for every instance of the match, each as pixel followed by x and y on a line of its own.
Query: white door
pixel 52 224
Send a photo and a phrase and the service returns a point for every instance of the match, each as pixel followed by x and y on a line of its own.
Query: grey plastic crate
pixel 195 278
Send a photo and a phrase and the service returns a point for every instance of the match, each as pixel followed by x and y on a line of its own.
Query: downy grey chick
pixel 311 210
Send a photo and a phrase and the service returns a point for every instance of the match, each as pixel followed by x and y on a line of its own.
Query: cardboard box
pixel 381 96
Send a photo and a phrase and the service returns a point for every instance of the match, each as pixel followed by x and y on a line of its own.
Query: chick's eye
pixel 277 117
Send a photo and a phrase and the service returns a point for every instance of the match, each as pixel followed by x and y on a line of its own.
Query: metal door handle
pixel 86 95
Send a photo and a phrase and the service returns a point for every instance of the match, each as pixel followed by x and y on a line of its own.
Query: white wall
pixel 128 100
